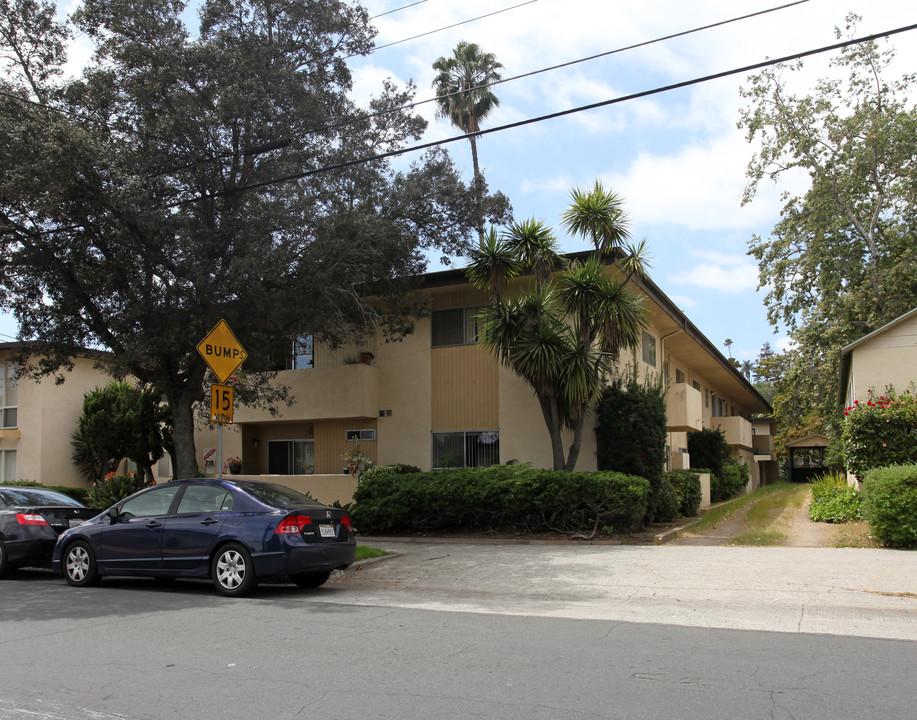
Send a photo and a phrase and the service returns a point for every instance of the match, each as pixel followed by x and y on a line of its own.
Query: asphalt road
pixel 459 631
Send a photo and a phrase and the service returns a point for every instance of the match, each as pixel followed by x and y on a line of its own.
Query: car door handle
pixel 209 521
pixel 153 524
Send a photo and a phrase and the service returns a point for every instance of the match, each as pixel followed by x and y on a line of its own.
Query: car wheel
pixel 310 579
pixel 4 562
pixel 232 571
pixel 80 568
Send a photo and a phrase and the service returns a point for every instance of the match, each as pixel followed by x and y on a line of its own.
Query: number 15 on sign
pixel 220 404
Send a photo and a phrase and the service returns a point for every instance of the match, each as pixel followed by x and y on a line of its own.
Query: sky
pixel 677 158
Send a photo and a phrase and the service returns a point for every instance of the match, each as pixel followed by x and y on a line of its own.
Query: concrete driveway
pixel 857 592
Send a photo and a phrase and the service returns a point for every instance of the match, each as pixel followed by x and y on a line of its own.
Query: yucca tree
pixel 464 97
pixel 597 215
pixel 562 336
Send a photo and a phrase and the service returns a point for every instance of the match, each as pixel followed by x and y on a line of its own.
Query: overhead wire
pixel 552 116
pixel 447 27
pixel 417 103
pixel 398 9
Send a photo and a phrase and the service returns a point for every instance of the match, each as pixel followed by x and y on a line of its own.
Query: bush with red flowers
pixel 880 431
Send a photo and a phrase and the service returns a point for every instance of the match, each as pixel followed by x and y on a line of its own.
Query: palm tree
pixel 563 336
pixel 727 343
pixel 464 96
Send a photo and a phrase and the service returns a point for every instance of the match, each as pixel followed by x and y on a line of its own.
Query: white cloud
pixel 727 272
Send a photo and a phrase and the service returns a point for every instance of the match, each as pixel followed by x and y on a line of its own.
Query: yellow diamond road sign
pixel 221 351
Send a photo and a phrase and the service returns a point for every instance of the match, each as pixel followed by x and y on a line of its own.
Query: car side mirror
pixel 114 516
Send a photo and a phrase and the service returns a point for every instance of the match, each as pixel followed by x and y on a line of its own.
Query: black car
pixel 235 532
pixel 31 519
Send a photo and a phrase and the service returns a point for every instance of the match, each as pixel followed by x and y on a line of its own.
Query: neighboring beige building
pixel 436 399
pixel 39 418
pixel 887 356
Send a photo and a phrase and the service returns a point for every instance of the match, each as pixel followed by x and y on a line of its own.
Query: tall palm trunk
pixel 478 187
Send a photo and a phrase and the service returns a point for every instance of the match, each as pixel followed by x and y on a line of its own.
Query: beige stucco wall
pixel 889 358
pixel 47 416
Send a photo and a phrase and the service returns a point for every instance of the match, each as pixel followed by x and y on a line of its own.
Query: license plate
pixel 326 530
pixel 75 521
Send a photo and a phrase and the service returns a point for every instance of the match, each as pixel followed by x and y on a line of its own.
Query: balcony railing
pixel 737 430
pixel 684 408
pixel 348 391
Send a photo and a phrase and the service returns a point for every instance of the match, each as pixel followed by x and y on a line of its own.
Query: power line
pixel 447 27
pixel 398 9
pixel 552 116
pixel 418 103
pixel 683 33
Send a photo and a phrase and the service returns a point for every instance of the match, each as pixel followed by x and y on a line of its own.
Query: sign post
pixel 223 354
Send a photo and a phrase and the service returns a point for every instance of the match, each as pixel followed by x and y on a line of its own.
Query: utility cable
pixel 551 116
pixel 447 27
pixel 398 9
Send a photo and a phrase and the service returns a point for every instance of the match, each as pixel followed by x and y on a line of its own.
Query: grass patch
pixel 761 537
pixel 364 552
pixel 853 535
pixel 766 504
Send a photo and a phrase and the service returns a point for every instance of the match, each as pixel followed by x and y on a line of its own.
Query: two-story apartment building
pixel 436 399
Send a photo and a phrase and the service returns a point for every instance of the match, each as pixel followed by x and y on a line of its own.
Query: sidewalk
pixel 858 592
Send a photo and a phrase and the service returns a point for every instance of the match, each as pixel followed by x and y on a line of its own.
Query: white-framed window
pixel 351 435
pixel 9 397
pixel 473 448
pixel 458 326
pixel 8 466
pixel 290 457
pixel 679 376
pixel 649 349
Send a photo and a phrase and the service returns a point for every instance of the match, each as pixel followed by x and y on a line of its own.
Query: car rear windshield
pixel 277 495
pixel 30 497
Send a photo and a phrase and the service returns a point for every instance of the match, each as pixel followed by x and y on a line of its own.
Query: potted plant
pixel 233 464
pixel 355 460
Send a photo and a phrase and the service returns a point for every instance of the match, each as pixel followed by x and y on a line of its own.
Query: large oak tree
pixel 842 260
pixel 184 177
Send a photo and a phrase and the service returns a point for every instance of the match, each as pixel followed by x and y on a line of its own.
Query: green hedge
pixel 880 432
pixel 502 497
pixel 687 486
pixel 890 505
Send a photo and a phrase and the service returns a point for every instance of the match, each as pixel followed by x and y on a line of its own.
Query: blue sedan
pixel 236 532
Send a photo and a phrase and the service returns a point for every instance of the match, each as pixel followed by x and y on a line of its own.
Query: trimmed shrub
pixel 668 501
pixel 881 431
pixel 687 486
pixel 395 469
pixel 630 431
pixel 501 497
pixel 833 500
pixel 734 479
pixel 890 505
pixel 114 488
pixel 708 449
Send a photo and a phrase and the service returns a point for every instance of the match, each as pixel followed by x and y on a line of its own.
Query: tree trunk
pixel 552 422
pixel 478 191
pixel 182 402
pixel 576 445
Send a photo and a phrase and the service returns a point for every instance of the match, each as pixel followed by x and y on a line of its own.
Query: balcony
pixel 349 391
pixel 683 409
pixel 763 444
pixel 737 430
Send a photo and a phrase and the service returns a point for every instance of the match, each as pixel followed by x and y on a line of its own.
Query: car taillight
pixel 30 519
pixel 293 524
pixel 345 521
